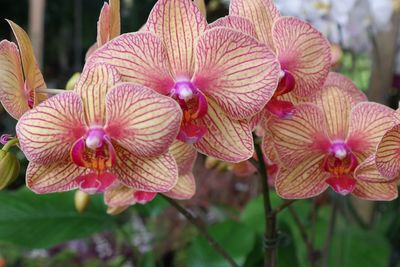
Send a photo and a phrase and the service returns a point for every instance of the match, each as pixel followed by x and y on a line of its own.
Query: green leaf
pixel 42 221
pixel 236 238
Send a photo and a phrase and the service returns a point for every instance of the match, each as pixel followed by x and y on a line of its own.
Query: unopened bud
pixel 116 210
pixel 82 200
pixel 72 81
pixel 9 168
pixel 211 163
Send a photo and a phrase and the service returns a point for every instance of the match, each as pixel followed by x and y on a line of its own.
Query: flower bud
pixel 116 210
pixel 9 168
pixel 82 200
pixel 72 81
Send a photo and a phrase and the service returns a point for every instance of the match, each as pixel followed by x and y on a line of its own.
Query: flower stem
pixel 203 230
pixel 10 144
pixel 271 233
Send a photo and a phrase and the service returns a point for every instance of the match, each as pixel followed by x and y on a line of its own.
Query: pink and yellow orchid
pixel 20 76
pixel 100 134
pixel 326 142
pixel 120 195
pixel 303 52
pixel 108 25
pixel 220 77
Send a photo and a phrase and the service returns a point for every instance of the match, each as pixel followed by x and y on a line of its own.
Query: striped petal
pixel 184 189
pixel 119 195
pixel 47 132
pixel 336 106
pixel 141 120
pixel 305 180
pixel 238 72
pixel 235 22
pixel 304 52
pixel 12 94
pixel 92 87
pixel 262 13
pixel 376 191
pixel 301 136
pixel 140 58
pixel 367 171
pixel 156 174
pixel 32 74
pixel 109 24
pixel 56 177
pixel 185 156
pixel 226 139
pixel 368 123
pixel 346 86
pixel 179 23
pixel 388 153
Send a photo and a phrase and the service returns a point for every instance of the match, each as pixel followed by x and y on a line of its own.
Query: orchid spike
pixel 100 134
pixel 20 76
pixel 327 139
pixel 303 52
pixel 185 157
pixel 220 77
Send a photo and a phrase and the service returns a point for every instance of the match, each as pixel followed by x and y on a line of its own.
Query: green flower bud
pixel 9 168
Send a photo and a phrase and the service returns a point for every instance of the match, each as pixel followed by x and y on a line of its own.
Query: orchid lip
pixel 343 185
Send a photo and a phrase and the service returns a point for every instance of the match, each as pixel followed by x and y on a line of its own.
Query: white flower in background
pixel 381 12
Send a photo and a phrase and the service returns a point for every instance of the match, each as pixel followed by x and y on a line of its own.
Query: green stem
pixel 10 144
pixel 271 233
pixel 203 230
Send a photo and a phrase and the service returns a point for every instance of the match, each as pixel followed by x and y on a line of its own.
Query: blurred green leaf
pixel 41 221
pixel 235 237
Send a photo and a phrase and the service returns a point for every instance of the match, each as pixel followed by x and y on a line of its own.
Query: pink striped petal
pixel 304 52
pixel 301 136
pixel 12 95
pixel 388 153
pixel 226 139
pixel 119 195
pixel 368 123
pixel 262 13
pixel 184 189
pixel 305 180
pixel 141 120
pixel 336 106
pixel 367 171
pixel 376 191
pixel 109 24
pixel 235 22
pixel 93 86
pixel 179 23
pixel 238 72
pixel 346 86
pixel 47 132
pixel 56 177
pixel 156 174
pixel 143 197
pixel 185 156
pixel 32 74
pixel 139 58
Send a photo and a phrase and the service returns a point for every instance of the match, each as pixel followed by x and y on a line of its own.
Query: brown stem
pixel 203 230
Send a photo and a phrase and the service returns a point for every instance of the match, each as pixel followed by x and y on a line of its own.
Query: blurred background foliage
pixel 47 231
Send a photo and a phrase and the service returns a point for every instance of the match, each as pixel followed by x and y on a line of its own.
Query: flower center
pixel 280 108
pixel 194 106
pixel 340 162
pixel 95 152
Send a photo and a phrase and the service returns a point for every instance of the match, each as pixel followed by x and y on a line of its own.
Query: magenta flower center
pixel 95 152
pixel 280 108
pixel 340 162
pixel 194 106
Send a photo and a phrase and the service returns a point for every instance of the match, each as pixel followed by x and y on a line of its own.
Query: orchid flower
pixel 303 52
pixel 327 139
pixel 220 77
pixel 99 134
pixel 20 77
pixel 120 195
pixel 108 25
